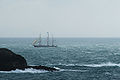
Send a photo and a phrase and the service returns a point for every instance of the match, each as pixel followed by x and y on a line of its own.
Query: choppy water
pixel 77 59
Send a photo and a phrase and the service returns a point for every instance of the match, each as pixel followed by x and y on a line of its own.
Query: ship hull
pixel 44 46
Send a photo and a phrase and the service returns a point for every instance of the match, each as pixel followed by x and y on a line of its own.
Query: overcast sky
pixel 62 18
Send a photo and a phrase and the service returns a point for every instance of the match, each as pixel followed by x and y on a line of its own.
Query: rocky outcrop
pixel 11 61
pixel 43 68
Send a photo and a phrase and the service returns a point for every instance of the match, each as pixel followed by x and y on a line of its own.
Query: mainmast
pixel 39 42
pixel 48 39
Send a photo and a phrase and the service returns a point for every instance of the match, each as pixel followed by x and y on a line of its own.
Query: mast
pixel 52 41
pixel 48 39
pixel 39 40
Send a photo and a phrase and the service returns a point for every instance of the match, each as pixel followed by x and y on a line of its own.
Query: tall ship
pixel 38 42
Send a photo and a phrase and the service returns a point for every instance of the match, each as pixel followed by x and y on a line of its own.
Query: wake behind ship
pixel 38 43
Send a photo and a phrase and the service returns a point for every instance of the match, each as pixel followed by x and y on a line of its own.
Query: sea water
pixel 76 58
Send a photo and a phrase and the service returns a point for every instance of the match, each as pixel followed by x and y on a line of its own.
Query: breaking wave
pixel 91 65
pixel 103 65
pixel 30 70
pixel 72 70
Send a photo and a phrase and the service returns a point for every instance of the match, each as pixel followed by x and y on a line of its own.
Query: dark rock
pixel 43 68
pixel 11 61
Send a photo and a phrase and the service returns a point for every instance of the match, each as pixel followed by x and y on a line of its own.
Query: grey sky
pixel 63 18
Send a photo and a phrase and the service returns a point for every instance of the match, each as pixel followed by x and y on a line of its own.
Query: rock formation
pixel 11 61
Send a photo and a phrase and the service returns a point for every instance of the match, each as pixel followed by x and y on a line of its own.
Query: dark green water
pixel 77 59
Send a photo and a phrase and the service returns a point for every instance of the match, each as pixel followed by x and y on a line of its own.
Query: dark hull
pixel 44 46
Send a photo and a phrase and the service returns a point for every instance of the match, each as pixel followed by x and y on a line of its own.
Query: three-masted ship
pixel 38 43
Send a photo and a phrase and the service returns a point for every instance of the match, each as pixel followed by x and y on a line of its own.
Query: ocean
pixel 76 58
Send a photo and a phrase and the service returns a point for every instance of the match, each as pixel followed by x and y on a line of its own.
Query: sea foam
pixel 30 70
pixel 91 65
pixel 103 65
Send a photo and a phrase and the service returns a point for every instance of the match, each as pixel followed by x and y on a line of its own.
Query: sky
pixel 62 18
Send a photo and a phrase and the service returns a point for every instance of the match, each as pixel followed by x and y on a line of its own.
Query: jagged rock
pixel 11 61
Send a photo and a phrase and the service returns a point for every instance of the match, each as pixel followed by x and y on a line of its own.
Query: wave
pixel 109 64
pixel 29 70
pixel 40 71
pixel 72 70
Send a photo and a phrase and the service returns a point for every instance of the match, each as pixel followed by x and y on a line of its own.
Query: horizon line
pixel 61 37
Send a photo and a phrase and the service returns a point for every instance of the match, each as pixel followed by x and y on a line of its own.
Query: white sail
pixel 34 42
pixel 37 43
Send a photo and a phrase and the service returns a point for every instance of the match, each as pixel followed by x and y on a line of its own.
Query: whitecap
pixel 57 68
pixel 102 64
pixel 72 70
pixel 90 65
pixel 29 70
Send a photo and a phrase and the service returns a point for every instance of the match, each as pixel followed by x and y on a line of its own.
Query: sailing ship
pixel 38 43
